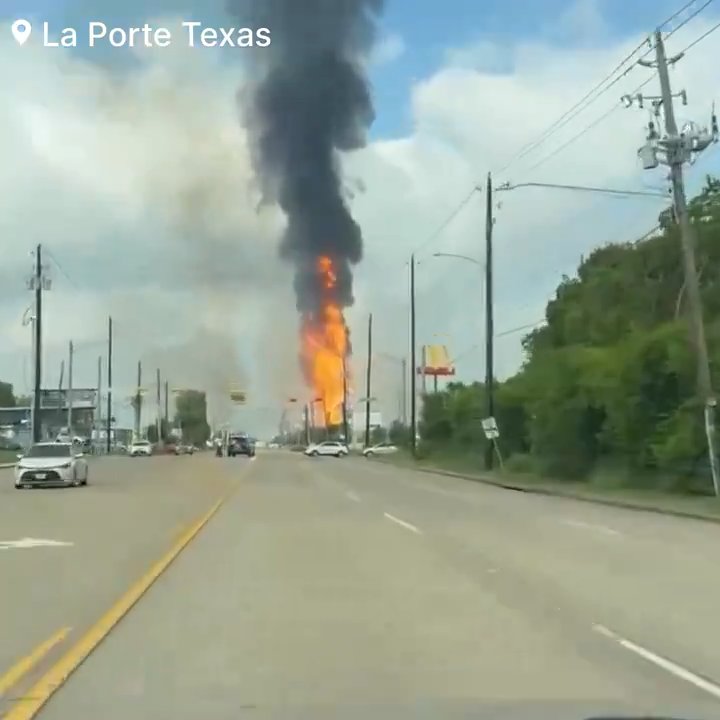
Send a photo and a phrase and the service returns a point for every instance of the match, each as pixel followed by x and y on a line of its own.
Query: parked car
pixel 51 465
pixel 183 449
pixel 329 447
pixel 140 448
pixel 380 449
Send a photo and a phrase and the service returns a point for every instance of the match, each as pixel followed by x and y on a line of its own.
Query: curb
pixel 625 504
pixel 4 466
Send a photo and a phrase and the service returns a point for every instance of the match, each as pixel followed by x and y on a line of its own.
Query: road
pixel 349 588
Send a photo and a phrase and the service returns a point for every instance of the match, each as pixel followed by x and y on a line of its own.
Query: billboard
pixel 81 397
pixel 436 361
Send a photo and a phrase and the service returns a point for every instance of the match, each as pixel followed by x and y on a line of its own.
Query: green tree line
pixel 608 384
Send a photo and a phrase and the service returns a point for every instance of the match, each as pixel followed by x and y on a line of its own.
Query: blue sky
pixel 427 27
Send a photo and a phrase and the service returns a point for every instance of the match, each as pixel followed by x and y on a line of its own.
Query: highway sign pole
pixel 368 383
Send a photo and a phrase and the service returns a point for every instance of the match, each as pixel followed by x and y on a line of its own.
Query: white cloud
pixel 388 49
pixel 138 181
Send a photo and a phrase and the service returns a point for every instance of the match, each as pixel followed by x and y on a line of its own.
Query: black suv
pixel 241 445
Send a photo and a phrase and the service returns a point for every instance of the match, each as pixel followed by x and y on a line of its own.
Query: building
pixel 16 421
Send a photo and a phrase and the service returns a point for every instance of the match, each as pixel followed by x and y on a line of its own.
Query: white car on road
pixel 381 449
pixel 332 448
pixel 140 447
pixel 51 465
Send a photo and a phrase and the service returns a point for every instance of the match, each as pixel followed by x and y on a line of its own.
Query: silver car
pixel 51 465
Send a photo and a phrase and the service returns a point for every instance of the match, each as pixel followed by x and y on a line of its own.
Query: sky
pixel 131 168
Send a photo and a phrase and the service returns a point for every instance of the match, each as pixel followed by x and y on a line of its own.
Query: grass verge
pixel 595 490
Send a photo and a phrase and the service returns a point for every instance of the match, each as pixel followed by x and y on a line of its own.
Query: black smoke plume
pixel 308 100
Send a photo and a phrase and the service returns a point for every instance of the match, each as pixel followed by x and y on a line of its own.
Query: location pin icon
pixel 21 30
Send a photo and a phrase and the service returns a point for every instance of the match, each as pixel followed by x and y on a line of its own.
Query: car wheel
pixel 314 453
pixel 369 454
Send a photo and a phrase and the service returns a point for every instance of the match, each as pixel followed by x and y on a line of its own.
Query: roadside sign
pixel 490 428
pixel 238 396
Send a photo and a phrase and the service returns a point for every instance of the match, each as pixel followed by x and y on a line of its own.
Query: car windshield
pixel 48 451
pixel 141 443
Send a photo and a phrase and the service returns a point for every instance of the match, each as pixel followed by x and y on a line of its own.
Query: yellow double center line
pixel 23 666
pixel 28 706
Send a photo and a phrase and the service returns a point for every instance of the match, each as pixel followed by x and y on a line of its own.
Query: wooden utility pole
pixel 368 383
pixel 489 320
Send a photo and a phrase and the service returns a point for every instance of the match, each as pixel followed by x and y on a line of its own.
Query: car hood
pixel 39 463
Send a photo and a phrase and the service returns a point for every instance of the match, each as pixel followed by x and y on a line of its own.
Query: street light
pixel 460 257
pixel 583 188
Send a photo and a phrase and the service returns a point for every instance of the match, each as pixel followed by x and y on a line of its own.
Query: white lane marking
pixel 352 496
pixel 26 543
pixel 404 524
pixel 590 526
pixel 661 662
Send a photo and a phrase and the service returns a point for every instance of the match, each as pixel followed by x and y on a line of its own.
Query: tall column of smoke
pixel 307 101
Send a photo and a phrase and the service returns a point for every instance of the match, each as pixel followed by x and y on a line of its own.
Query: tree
pixel 378 435
pixel 191 416
pixel 610 379
pixel 7 397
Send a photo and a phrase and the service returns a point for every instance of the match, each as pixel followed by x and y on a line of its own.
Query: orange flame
pixel 324 349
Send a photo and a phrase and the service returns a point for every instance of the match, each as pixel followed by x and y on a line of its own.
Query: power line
pixel 570 114
pixel 586 129
pixel 689 18
pixel 438 231
pixel 598 90
pixel 62 269
pixel 702 37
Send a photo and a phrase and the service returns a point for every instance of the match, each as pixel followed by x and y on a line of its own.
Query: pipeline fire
pixel 325 347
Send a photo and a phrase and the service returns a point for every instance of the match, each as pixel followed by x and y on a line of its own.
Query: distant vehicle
pixel 51 465
pixel 381 449
pixel 10 444
pixel 240 444
pixel 274 446
pixel 182 449
pixel 330 447
pixel 140 448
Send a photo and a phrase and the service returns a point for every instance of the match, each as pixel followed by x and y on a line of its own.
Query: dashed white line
pixel 352 496
pixel 402 523
pixel 590 526
pixel 661 662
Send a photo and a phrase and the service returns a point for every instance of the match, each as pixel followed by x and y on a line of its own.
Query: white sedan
pixel 51 465
pixel 332 448
pixel 381 449
pixel 140 448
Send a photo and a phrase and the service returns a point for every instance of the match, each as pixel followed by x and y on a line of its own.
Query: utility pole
pixel 678 149
pixel 37 285
pixel 306 414
pixel 368 387
pixel 413 361
pixel 138 402
pixel 108 419
pixel 167 404
pixel 345 397
pixel 70 388
pixel 98 403
pixel 159 410
pixel 403 392
pixel 59 408
pixel 489 324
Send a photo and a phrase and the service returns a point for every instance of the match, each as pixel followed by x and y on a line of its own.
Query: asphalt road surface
pixel 347 588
